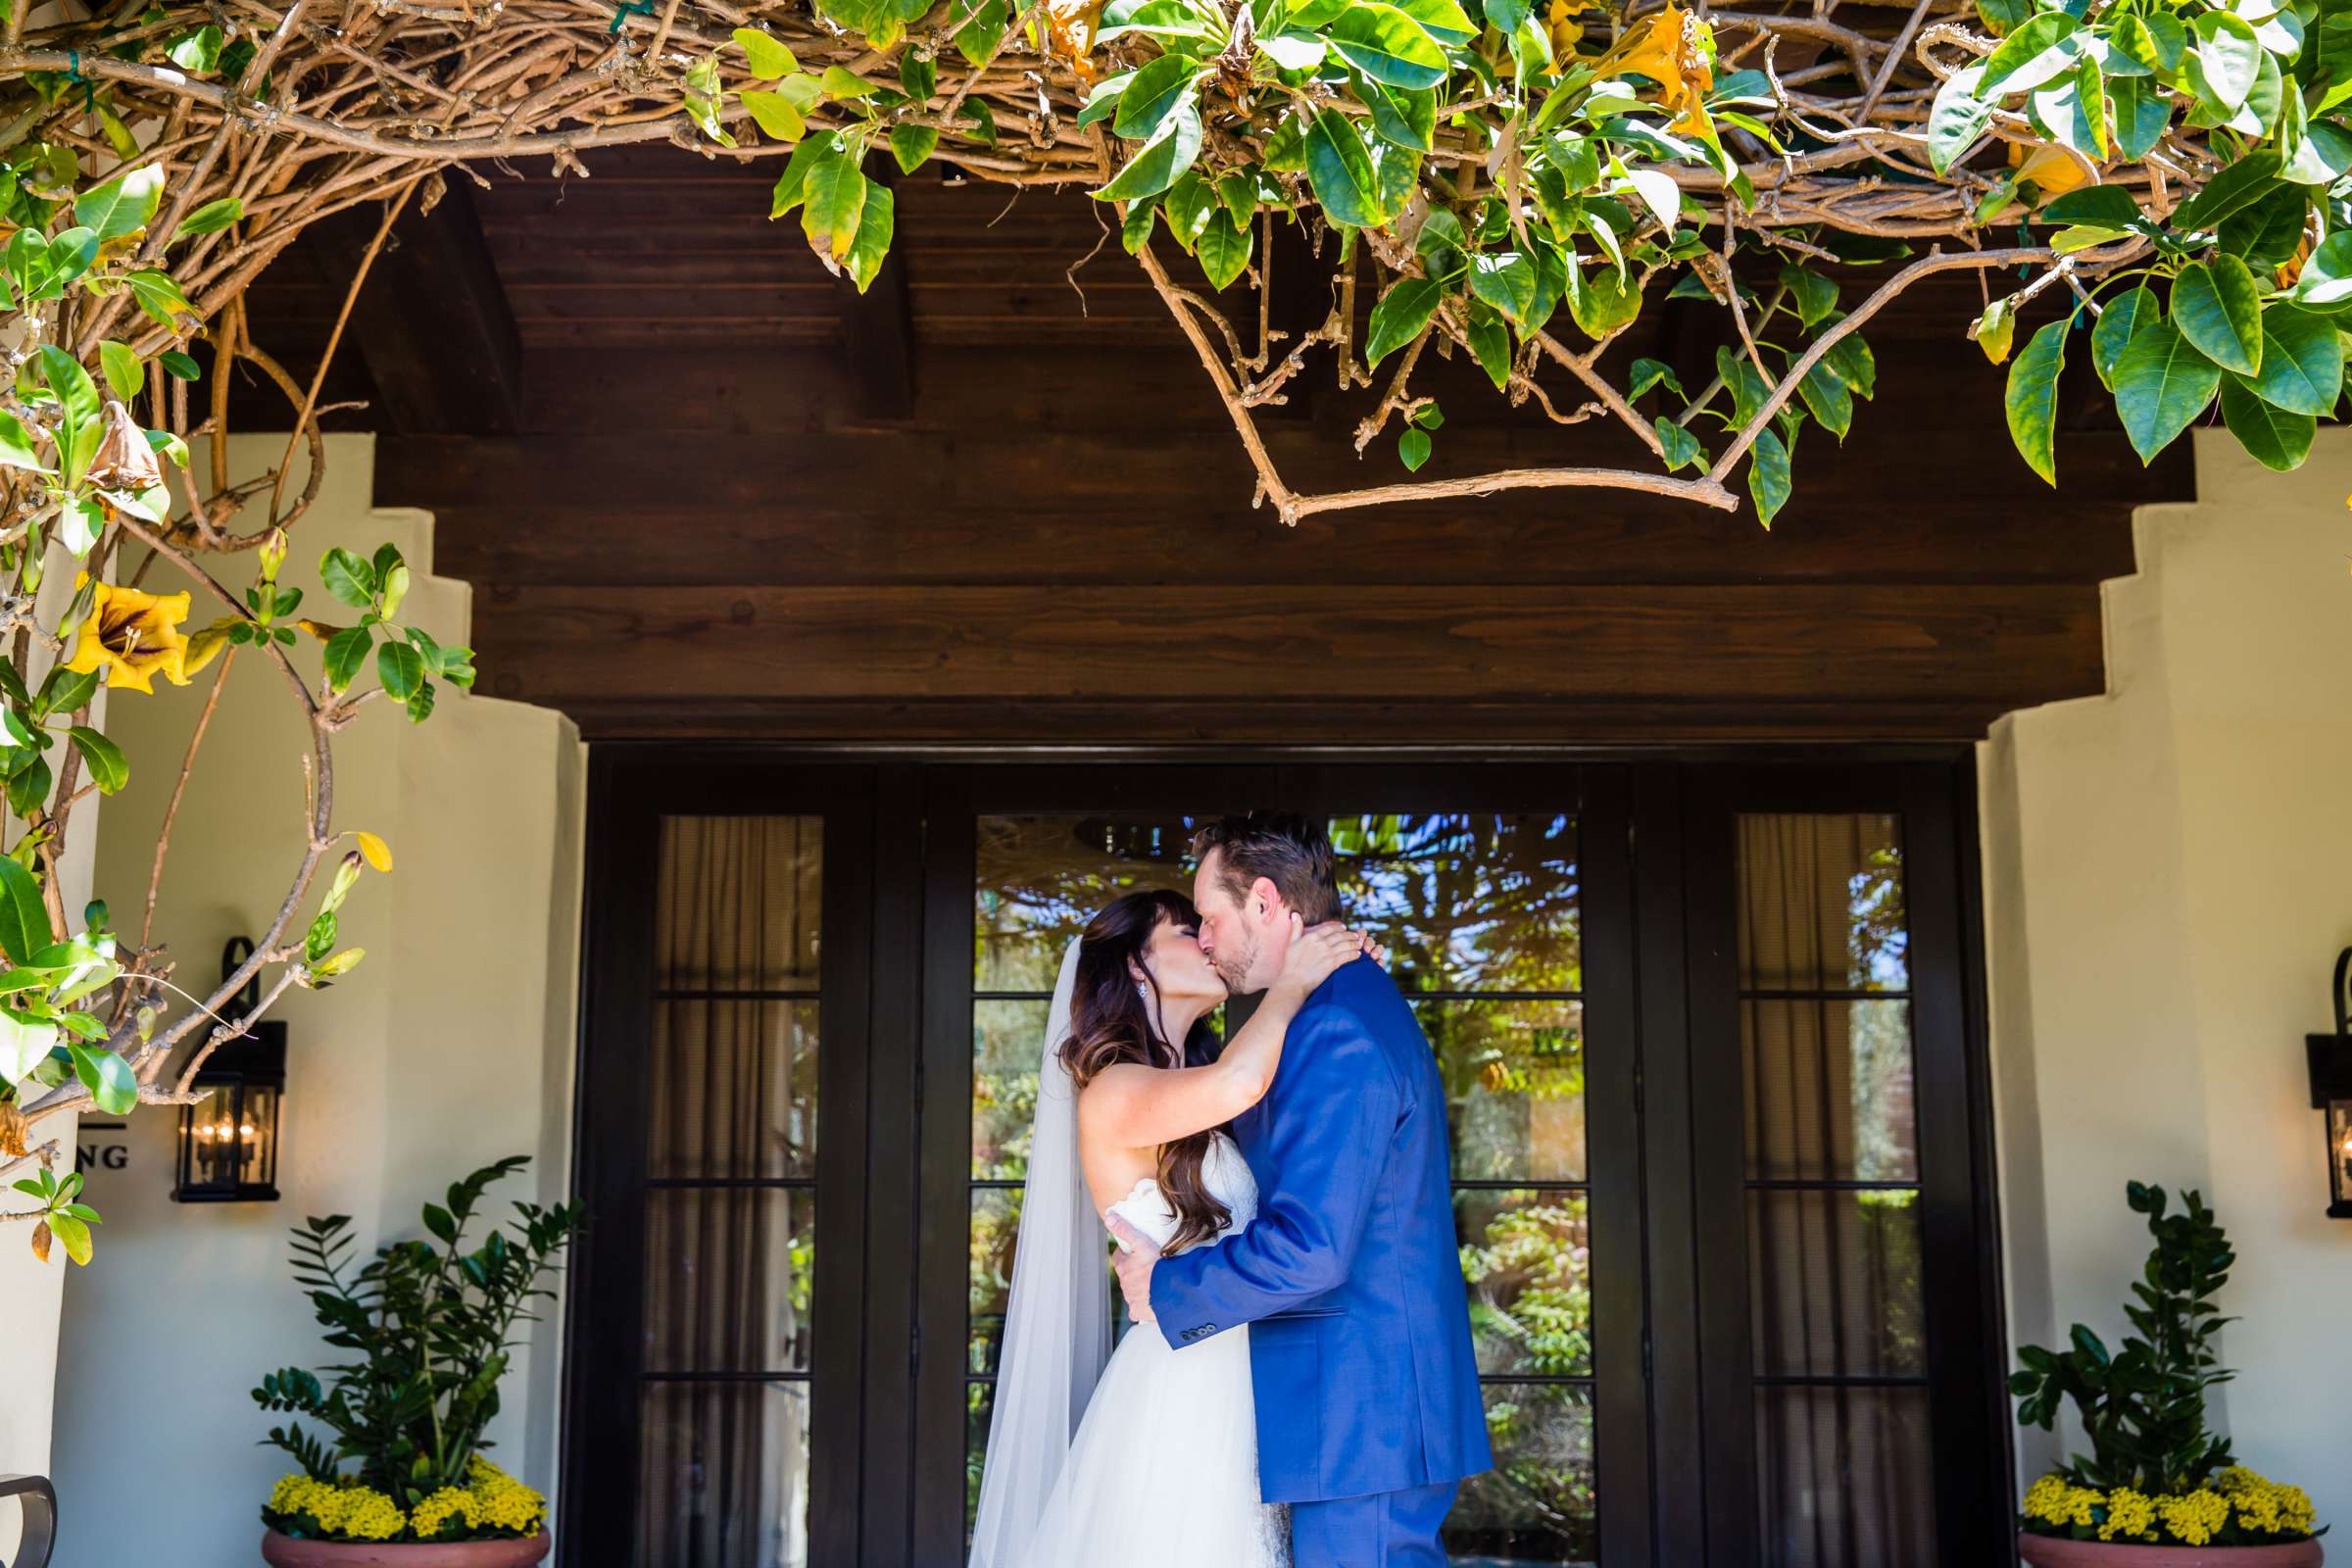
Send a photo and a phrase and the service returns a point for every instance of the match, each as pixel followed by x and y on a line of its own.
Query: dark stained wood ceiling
pixel 1014 509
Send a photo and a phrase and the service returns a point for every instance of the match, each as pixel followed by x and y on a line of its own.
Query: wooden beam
pixel 1726 646
pixel 432 321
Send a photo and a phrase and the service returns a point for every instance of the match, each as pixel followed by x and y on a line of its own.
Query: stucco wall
pixel 450 1046
pixel 2167 880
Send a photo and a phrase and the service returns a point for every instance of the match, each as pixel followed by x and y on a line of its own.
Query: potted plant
pixel 428 1326
pixel 2157 1490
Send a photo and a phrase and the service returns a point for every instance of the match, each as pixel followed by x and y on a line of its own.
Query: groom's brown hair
pixel 1290 850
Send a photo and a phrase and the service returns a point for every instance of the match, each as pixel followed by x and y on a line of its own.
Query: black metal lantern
pixel 229 1140
pixel 2331 1090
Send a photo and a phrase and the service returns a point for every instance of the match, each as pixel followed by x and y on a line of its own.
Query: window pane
pixel 996 1226
pixel 1514 1086
pixel 723 1476
pixel 1009 1041
pixel 739 902
pixel 1829 1094
pixel 1821 903
pixel 728 1279
pixel 1529 1265
pixel 1466 901
pixel 733 1089
pixel 1041 878
pixel 1537 1504
pixel 980 1405
pixel 1843 1478
pixel 1835 1283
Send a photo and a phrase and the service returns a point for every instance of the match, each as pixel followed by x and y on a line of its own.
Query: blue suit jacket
pixel 1359 1339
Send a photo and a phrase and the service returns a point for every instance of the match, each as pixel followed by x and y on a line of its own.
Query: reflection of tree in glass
pixel 1466 902
pixel 1529 1274
pixel 1536 1506
pixel 1878 940
pixel 1898 1307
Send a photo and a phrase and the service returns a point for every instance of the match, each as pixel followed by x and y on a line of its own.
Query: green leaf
pixel 2043 49
pixel 1224 248
pixel 108 1078
pixel 1768 483
pixel 774 115
pixel 2032 399
pixel 179 367
pixel 75 1233
pixel 17 445
pixel 350 579
pixel 1506 280
pixel 2327 278
pixel 1405 116
pixel 124 205
pixel 2003 15
pixel 109 769
pixel 401 669
pixel 24 919
pixel 2124 316
pixel 1388 46
pixel 1412 447
pixel 1341 172
pixel 2271 436
pixel 1995 332
pixel 1442 19
pixel 212 217
pixel 912 146
pixel 1170 153
pixel 346 651
pixel 1682 449
pixel 875 226
pixel 2217 309
pixel 2139 112
pixel 1490 345
pixel 80 424
pixel 2225 59
pixel 123 372
pixel 159 296
pixel 2099 206
pixel 1603 302
pixel 1827 399
pixel 1134 229
pixel 1814 295
pixel 2302 361
pixel 2265 234
pixel 198 52
pixel 1403 312
pixel 840 83
pixel 771 60
pixel 1291 51
pixel 836 203
pixel 2160 384
pixel 2240 185
pixel 1157 91
pixel 792 186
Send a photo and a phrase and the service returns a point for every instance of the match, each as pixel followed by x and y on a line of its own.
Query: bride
pixel 1085 1444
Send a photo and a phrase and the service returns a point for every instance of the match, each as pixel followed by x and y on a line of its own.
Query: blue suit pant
pixel 1385 1529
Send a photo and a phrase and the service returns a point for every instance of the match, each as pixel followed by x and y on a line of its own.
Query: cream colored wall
pixel 449 1046
pixel 2167 881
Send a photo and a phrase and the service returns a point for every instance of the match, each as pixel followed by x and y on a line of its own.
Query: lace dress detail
pixel 1158 1412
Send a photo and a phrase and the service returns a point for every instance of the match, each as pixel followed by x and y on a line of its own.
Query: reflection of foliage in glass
pixel 1466 901
pixel 979 1400
pixel 1529 1277
pixel 1890 1220
pixel 1880 1091
pixel 1538 1504
pixel 996 1222
pixel 1878 938
pixel 1514 1076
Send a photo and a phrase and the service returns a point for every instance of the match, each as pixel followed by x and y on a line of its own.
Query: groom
pixel 1368 1410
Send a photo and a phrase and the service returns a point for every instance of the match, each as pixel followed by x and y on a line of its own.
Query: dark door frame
pixel 897 913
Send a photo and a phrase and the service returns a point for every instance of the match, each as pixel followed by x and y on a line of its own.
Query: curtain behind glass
pixel 732 1102
pixel 1842 1430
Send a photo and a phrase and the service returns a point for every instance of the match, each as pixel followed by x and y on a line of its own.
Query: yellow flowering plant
pixel 2155 1475
pixel 431 1324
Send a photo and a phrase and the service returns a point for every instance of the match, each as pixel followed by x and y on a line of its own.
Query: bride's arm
pixel 1136 1106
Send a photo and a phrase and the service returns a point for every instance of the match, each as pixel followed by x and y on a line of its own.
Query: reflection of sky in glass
pixel 1877 941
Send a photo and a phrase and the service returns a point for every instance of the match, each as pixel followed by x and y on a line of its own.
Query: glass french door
pixel 1708 1032
pixel 1477 880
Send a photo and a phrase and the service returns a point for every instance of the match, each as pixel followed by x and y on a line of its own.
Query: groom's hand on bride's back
pixel 1137 1254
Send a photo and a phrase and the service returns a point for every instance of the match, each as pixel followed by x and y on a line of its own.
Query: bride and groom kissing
pixel 1299 1385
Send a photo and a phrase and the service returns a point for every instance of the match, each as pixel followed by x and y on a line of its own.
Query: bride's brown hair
pixel 1115 1017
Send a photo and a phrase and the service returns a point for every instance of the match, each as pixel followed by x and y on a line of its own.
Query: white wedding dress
pixel 1163 1470
pixel 1146 1458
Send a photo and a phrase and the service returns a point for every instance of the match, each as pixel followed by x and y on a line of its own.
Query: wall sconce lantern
pixel 2331 1090
pixel 229 1140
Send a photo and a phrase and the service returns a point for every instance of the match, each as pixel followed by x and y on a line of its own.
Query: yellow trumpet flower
pixel 1671 50
pixel 1566 33
pixel 133 636
pixel 2054 169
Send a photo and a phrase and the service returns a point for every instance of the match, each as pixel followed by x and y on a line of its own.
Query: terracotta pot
pixel 2055 1551
pixel 284 1551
